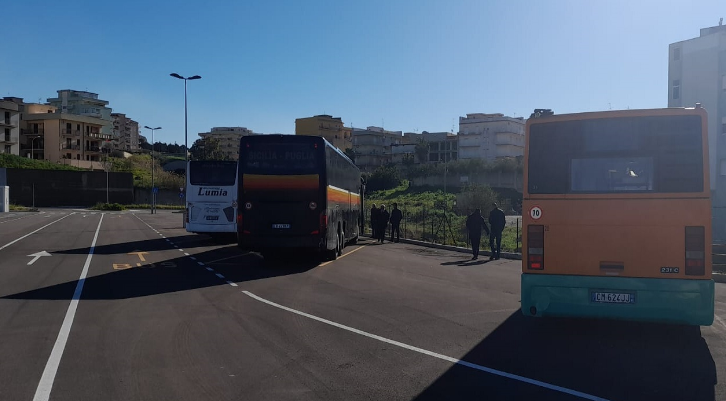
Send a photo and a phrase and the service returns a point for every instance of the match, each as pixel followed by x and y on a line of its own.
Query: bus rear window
pixel 278 158
pixel 222 173
pixel 661 154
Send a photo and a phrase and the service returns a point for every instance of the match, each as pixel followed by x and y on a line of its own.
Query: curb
pixel 505 255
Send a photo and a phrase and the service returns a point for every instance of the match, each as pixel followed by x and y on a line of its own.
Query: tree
pixel 383 178
pixel 208 149
pixel 476 196
pixel 422 151
pixel 408 159
pixel 350 153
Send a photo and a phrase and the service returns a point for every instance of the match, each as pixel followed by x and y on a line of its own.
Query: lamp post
pixel 186 144
pixel 153 195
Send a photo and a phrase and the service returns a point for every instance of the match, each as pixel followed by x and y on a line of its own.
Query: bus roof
pixel 296 138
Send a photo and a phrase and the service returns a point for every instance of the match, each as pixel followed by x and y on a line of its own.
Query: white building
pixel 490 136
pixel 228 138
pixel 697 74
pixel 372 146
pixel 125 132
pixel 83 103
pixel 9 127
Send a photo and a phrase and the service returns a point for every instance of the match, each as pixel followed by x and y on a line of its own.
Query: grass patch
pixel 160 207
pixel 429 215
pixel 18 208
pixel 140 167
pixel 13 161
pixel 108 206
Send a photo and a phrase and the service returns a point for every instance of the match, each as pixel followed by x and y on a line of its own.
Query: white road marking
pixel 8 221
pixel 42 393
pixel 181 250
pixel 192 258
pixel 167 239
pixel 186 254
pixel 200 263
pixel 431 353
pixel 220 276
pixel 209 269
pixel 231 283
pixel 33 232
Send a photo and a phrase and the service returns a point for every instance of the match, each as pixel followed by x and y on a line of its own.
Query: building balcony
pixel 7 139
pixel 94 149
pixel 33 132
pixel 70 132
pixel 91 114
pixel 7 123
pixel 70 147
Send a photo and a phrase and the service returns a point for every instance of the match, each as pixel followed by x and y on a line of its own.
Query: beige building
pixel 329 127
pixel 125 132
pixel 373 146
pixel 9 127
pixel 83 103
pixel 228 138
pixel 490 136
pixel 62 138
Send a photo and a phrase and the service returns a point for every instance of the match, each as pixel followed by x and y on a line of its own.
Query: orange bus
pixel 617 216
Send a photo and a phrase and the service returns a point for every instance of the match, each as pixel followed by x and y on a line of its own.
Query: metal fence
pixel 448 228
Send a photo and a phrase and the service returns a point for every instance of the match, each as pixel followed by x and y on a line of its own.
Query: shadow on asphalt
pixel 615 360
pixel 466 262
pixel 172 275
pixel 189 241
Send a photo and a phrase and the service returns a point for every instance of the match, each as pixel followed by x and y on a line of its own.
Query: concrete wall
pixel 67 188
pixel 511 180
pixel 142 196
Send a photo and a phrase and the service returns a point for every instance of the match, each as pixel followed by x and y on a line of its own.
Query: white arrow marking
pixel 37 256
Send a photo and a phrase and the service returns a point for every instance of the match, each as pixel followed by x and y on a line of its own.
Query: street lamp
pixel 153 195
pixel 186 144
pixel 32 145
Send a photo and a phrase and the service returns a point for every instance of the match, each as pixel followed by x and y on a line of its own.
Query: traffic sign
pixel 155 190
pixel 181 195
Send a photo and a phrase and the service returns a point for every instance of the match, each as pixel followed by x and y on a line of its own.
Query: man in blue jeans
pixel 497 222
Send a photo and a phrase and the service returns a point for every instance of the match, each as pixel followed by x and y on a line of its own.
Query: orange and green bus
pixel 617 216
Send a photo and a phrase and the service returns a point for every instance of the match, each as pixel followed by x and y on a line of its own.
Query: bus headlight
pixel 313 205
pixel 234 203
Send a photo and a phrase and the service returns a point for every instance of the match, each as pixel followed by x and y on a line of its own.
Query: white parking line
pixel 200 263
pixel 42 393
pixel 192 258
pixel 431 353
pixel 231 283
pixel 33 232
pixel 220 276
pixel 186 254
pixel 209 269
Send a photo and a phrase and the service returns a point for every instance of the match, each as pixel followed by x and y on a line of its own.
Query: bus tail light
pixel 695 251
pixel 535 247
pixel 239 219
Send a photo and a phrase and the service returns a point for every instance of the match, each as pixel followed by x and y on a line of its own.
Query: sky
pixel 405 65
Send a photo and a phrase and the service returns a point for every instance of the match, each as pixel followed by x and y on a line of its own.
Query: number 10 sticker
pixel 535 213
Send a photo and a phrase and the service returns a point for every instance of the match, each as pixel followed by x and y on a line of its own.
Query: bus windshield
pixel 280 158
pixel 656 154
pixel 222 173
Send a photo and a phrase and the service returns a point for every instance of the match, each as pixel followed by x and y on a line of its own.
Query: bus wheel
pixel 332 254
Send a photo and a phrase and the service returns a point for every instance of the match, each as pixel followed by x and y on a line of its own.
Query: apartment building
pixel 373 146
pixel 331 128
pixel 228 138
pixel 9 126
pixel 697 74
pixel 125 132
pixel 490 136
pixel 65 138
pixel 83 103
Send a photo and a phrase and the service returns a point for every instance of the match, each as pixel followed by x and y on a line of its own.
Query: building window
pixel 676 54
pixel 676 89
pixel 7 148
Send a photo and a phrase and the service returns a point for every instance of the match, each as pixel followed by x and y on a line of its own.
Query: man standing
pixel 396 217
pixel 475 224
pixel 383 217
pixel 374 221
pixel 497 221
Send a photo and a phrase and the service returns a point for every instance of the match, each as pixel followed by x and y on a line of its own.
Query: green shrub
pixel 108 206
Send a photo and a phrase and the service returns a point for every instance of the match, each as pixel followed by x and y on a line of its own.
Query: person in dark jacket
pixel 383 218
pixel 475 224
pixel 396 217
pixel 497 222
pixel 374 221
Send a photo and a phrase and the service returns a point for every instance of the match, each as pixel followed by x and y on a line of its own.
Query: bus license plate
pixel 280 226
pixel 212 217
pixel 612 297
